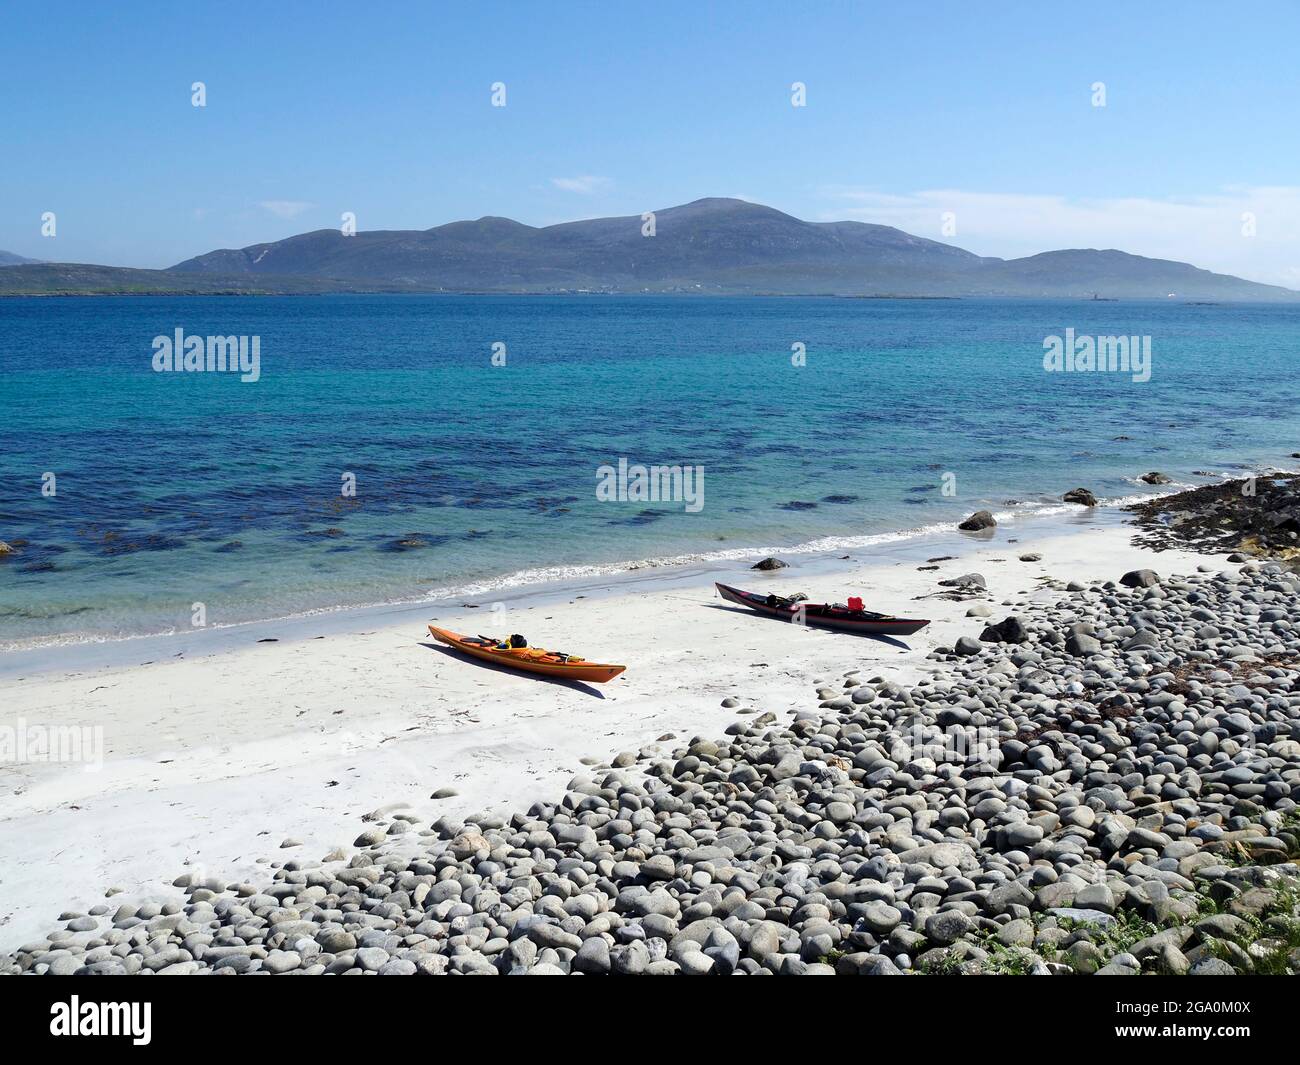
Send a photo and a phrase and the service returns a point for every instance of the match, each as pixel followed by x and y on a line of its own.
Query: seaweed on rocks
pixel 1259 516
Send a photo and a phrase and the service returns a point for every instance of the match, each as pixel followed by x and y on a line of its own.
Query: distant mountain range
pixel 710 246
pixel 83 279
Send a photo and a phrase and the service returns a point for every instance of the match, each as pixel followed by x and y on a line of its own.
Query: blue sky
pixel 912 110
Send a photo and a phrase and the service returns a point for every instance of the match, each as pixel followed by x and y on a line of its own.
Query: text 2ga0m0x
pixel 1148 1009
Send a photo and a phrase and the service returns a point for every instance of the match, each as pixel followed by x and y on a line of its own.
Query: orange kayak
pixel 528 659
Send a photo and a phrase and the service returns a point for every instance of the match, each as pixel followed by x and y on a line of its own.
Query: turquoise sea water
pixel 174 489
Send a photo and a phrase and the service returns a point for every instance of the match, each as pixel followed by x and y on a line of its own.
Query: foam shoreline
pixel 543 585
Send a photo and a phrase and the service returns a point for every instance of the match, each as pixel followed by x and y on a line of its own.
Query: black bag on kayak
pixel 517 641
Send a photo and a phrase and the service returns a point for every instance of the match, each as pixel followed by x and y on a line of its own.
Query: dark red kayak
pixel 823 615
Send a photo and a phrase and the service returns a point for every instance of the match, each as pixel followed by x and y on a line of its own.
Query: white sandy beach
pixel 212 763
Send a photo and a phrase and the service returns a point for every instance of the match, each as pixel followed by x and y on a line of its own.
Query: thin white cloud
pixel 1212 231
pixel 285 208
pixel 584 184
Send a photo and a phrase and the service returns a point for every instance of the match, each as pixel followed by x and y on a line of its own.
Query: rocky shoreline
pixel 1257 516
pixel 1106 785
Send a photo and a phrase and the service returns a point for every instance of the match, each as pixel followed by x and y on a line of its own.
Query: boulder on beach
pixel 1009 630
pixel 769 563
pixel 1081 644
pixel 1081 496
pixel 1155 477
pixel 1139 578
pixel 981 519
pixel 966 580
pixel 1141 640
